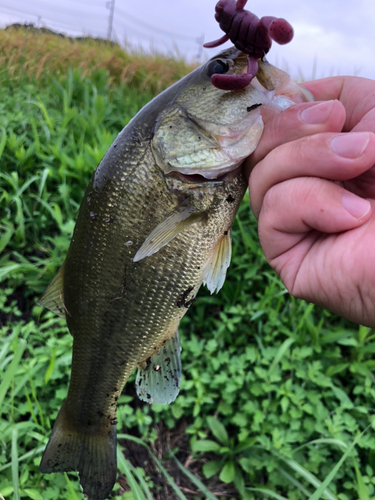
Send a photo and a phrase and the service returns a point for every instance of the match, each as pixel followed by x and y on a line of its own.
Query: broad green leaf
pixel 244 445
pixel 238 479
pixel 212 467
pixel 350 341
pixel 342 396
pixel 227 472
pixel 334 369
pixel 35 494
pixel 218 430
pixel 5 492
pixel 206 445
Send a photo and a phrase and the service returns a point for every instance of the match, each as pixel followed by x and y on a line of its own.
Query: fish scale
pixel 147 236
pixel 181 265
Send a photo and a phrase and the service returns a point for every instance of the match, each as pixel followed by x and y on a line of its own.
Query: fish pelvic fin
pixel 158 380
pixel 216 268
pixel 91 451
pixel 53 296
pixel 171 226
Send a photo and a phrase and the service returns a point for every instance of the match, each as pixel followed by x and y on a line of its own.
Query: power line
pixel 153 28
pixel 131 23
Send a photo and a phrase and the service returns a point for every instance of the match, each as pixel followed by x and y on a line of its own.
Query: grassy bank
pixel 275 391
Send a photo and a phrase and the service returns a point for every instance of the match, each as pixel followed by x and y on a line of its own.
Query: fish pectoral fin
pixel 270 77
pixel 171 226
pixel 90 451
pixel 53 296
pixel 158 381
pixel 216 268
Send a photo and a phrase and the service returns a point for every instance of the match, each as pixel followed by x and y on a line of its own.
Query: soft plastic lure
pixel 248 33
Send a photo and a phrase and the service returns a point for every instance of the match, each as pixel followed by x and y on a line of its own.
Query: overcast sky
pixel 335 36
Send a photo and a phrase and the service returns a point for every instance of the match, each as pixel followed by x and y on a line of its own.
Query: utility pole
pixel 111 6
pixel 200 42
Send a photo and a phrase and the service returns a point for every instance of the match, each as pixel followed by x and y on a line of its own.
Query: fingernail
pixel 356 206
pixel 317 113
pixel 350 145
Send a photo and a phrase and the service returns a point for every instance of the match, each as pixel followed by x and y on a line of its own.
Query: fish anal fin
pixel 158 380
pixel 53 296
pixel 90 451
pixel 171 226
pixel 216 268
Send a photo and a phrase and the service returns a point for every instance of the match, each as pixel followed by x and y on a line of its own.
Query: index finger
pixel 355 93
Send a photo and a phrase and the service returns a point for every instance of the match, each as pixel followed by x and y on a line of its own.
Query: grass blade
pixel 198 483
pixel 294 482
pixel 3 140
pixel 319 492
pixel 313 480
pixel 269 493
pixel 280 353
pixel 70 488
pixel 9 374
pixel 32 453
pixel 142 483
pixel 337 442
pixel 362 488
pixel 168 477
pixel 15 477
pixel 125 468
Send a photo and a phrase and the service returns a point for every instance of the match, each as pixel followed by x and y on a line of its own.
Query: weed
pixel 276 394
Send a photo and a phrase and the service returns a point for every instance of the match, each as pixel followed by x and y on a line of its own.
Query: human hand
pixel 312 189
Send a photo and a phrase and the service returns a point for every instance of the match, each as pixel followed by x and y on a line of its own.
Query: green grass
pixel 277 397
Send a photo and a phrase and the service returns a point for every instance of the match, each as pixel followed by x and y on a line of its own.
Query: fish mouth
pixel 198 180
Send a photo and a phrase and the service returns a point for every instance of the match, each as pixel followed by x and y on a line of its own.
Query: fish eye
pixel 217 66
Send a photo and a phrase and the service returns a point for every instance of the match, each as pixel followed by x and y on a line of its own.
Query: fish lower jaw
pixel 204 178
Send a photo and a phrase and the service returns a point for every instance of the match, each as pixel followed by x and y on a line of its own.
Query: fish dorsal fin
pixel 174 223
pixel 53 296
pixel 158 381
pixel 216 268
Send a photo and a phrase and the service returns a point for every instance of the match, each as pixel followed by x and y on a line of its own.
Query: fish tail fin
pixel 91 451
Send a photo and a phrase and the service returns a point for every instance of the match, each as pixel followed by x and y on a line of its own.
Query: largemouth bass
pixel 154 224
